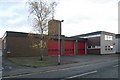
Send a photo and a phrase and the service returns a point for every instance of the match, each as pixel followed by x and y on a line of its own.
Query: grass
pixel 36 62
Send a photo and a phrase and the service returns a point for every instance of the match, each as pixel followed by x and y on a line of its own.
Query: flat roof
pixel 23 34
pixel 93 33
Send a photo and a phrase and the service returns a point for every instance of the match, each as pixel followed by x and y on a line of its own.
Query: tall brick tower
pixel 54 27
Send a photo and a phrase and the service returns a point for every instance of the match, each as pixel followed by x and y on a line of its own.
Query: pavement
pixel 10 70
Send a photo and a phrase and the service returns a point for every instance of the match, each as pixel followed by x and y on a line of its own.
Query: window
pixel 108 48
pixel 93 47
pixel 107 37
pixel 97 46
pixel 105 47
pixel 110 38
pixel 89 46
pixel 111 47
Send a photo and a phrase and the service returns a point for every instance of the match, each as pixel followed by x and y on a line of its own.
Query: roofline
pixel 92 33
pixel 56 20
pixel 24 34
pixel 62 36
pixel 15 32
pixel 7 33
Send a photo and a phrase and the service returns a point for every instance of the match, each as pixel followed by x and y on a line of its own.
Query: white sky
pixel 80 16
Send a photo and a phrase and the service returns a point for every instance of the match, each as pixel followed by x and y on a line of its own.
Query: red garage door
pixel 81 47
pixel 68 47
pixel 53 47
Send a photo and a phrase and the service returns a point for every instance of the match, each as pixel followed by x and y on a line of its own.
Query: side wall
pixel 21 47
pixel 105 44
pixel 116 42
pixel 118 45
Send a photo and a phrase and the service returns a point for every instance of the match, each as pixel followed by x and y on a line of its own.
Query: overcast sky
pixel 80 16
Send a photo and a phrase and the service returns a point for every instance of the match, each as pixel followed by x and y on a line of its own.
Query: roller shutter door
pixel 68 47
pixel 53 47
pixel 81 47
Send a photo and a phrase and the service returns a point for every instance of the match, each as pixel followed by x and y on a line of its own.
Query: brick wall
pixel 21 47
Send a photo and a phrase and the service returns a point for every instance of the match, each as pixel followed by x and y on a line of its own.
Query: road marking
pixel 38 72
pixel 27 74
pixel 82 74
pixel 74 67
pixel 116 66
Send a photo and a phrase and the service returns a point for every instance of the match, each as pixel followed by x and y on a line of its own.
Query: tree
pixel 41 12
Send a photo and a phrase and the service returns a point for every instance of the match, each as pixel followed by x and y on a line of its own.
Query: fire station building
pixel 17 44
pixel 100 42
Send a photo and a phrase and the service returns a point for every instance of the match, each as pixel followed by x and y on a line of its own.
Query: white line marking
pixel 27 74
pixel 82 74
pixel 12 76
pixel 115 66
pixel 74 67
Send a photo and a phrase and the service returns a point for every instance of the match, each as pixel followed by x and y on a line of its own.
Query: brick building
pixel 99 42
pixel 16 44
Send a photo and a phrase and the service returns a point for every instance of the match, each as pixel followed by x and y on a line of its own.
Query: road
pixel 109 71
pixel 102 69
pixel 99 68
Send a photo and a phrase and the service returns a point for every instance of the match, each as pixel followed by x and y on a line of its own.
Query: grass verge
pixel 36 62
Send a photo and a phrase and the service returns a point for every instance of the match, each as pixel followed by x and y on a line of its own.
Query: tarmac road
pixel 101 67
pixel 106 71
